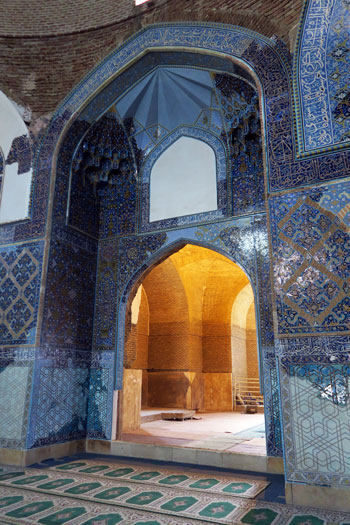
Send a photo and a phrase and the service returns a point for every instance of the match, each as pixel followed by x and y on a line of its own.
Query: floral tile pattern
pixel 311 258
pixel 309 234
pixel 20 276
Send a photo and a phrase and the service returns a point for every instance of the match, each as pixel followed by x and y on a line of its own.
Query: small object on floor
pixel 249 409
pixel 178 415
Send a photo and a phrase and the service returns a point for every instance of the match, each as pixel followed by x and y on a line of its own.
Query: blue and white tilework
pixel 59 407
pixel 271 402
pixel 21 153
pixel 20 278
pixel 100 404
pixel 122 263
pixel 266 57
pixel 315 409
pixel 73 398
pixel 322 76
pixel 68 314
pixel 311 253
pixel 73 386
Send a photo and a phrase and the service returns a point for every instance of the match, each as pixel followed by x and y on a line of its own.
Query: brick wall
pixel 47 48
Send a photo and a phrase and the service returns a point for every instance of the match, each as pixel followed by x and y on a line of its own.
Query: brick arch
pixel 169 316
pixel 217 329
pixel 154 261
pixel 189 294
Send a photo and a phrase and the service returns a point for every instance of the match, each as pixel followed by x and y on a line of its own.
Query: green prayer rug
pixel 81 498
pixel 218 484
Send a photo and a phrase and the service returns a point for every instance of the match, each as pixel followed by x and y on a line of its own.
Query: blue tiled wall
pixel 305 231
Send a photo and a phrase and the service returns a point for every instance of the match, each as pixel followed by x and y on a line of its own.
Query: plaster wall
pixel 218 392
pixel 17 177
pixel 183 180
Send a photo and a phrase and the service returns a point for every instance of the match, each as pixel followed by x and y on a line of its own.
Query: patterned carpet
pixel 106 493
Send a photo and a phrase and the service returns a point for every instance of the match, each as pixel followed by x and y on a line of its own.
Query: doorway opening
pixel 191 353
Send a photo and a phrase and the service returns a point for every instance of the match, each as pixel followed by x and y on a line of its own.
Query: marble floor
pixel 222 431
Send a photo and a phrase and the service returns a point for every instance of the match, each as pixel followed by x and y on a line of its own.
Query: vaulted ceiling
pixel 47 47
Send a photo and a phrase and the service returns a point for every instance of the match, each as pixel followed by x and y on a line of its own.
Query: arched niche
pixel 183 180
pixel 210 201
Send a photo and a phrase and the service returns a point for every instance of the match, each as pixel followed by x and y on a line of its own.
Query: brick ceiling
pixel 47 47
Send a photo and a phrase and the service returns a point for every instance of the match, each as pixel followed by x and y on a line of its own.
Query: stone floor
pixel 222 431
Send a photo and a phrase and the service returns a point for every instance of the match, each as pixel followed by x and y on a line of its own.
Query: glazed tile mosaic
pixel 20 275
pixel 74 396
pixel 68 315
pixel 102 243
pixel 60 405
pixel 65 496
pixel 20 152
pixel 323 75
pixel 311 246
pixel 122 262
pixel 315 400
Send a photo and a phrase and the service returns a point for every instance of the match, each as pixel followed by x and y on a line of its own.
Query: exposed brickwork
pixel 38 70
pixel 36 17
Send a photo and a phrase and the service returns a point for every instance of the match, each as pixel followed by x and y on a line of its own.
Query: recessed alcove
pixel 191 345
pixel 183 180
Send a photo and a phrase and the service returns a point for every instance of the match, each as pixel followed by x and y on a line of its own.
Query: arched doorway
pixel 120 240
pixel 191 349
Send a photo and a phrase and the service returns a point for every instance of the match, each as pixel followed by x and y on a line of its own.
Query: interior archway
pixel 191 347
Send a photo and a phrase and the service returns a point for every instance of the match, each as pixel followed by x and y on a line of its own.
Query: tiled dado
pixel 315 408
pixel 15 387
pixel 72 396
pixel 23 458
